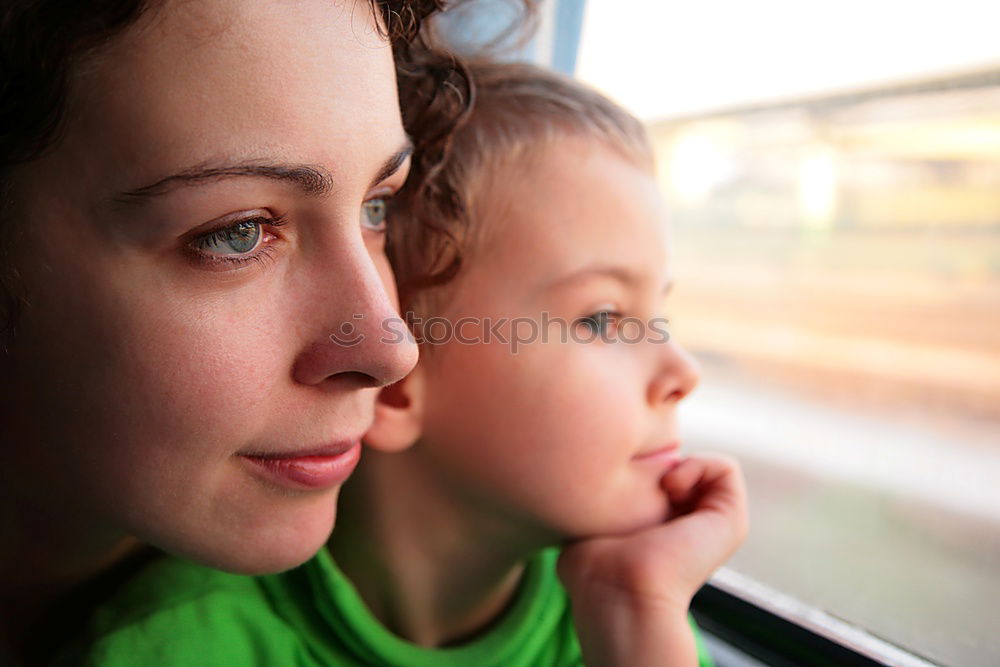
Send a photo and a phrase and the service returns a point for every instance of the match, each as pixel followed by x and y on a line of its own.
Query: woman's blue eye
pixel 373 214
pixel 237 239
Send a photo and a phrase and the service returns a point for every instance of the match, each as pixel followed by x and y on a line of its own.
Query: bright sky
pixel 668 57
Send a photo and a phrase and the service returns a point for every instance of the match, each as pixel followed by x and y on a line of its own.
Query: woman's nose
pixel 361 339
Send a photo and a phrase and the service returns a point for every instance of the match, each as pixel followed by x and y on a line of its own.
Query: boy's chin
pixel 622 525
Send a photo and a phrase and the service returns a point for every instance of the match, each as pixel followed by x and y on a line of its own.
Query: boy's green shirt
pixel 176 613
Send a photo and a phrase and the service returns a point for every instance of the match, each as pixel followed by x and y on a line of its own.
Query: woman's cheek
pixel 207 360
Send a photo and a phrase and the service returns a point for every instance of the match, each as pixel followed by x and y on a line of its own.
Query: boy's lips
pixel 664 453
pixel 314 468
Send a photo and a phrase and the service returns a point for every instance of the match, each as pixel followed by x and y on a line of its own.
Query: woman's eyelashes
pixel 239 242
pixel 246 239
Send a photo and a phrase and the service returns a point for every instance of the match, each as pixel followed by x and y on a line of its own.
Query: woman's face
pixel 210 218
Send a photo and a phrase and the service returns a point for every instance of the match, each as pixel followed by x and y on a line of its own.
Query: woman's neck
pixel 433 567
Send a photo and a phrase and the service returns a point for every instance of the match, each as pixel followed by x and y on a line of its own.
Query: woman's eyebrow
pixel 311 180
pixel 393 164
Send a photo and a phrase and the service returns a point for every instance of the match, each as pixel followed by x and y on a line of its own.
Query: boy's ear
pixel 398 413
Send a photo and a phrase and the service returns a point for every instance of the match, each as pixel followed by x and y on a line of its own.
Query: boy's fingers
pixel 679 481
pixel 706 482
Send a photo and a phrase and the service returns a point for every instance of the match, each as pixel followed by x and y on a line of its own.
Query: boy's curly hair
pixel 518 111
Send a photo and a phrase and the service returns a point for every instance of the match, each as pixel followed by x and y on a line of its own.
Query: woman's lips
pixel 319 468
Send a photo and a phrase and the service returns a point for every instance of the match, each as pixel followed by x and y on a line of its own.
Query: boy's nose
pixel 677 375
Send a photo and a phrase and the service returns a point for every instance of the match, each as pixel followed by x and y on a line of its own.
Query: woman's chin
pixel 270 547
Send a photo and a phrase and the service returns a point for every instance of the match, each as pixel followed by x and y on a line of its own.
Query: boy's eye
pixel 373 214
pixel 601 323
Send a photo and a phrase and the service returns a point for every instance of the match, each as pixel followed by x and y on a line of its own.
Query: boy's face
pixel 569 437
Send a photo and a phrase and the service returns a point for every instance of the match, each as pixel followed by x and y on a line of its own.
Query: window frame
pixel 750 619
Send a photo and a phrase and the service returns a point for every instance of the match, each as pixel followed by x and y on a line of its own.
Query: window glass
pixel 837 248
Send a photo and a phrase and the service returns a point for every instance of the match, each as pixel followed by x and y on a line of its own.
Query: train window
pixel 834 175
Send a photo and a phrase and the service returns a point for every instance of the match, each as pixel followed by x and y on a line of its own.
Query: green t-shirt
pixel 176 613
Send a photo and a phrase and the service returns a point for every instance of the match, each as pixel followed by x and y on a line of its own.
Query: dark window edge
pixel 778 630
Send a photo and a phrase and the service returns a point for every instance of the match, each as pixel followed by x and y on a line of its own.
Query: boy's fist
pixel 667 563
pixel 630 593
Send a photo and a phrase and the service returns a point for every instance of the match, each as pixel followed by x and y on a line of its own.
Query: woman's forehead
pixel 313 83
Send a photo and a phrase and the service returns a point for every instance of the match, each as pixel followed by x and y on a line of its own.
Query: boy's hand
pixel 631 593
